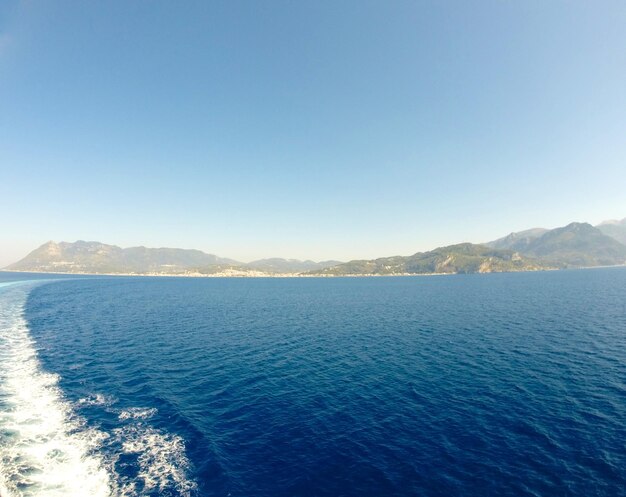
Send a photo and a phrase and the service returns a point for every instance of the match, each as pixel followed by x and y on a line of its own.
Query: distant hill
pixel 96 257
pixel 577 244
pixel 614 229
pixel 277 265
pixel 574 245
pixel 517 241
pixel 99 258
pixel 461 258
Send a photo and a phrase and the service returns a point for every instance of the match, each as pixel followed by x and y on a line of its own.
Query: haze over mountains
pixel 517 241
pixel 460 258
pixel 574 245
pixel 614 229
pixel 571 246
pixel 100 258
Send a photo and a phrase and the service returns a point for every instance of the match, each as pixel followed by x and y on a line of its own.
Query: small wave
pixel 137 413
pixel 96 399
pixel 44 448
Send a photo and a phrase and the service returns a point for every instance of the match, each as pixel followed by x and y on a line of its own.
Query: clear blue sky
pixel 339 129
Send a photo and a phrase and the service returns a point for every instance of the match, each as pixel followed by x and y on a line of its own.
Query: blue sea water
pixel 468 385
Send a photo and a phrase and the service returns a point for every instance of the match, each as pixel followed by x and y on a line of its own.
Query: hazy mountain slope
pixel 574 245
pixel 150 258
pixel 614 229
pixel 517 241
pixel 577 244
pixel 461 258
pixel 96 257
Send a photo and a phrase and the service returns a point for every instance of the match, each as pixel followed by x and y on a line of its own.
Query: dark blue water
pixel 469 385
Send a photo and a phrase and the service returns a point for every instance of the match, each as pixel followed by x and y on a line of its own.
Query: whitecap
pixel 96 399
pixel 137 413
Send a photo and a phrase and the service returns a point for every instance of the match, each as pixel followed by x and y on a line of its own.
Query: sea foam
pixel 162 464
pixel 44 449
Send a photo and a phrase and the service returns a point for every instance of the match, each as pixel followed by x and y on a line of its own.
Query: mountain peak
pixel 517 241
pixel 577 244
pixel 578 226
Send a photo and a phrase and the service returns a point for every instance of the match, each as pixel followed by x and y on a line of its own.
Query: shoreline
pixel 291 275
pixel 259 274
pixel 231 275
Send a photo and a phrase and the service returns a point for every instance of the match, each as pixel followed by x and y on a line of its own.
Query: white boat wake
pixel 44 449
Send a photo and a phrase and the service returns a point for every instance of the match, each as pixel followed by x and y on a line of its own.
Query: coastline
pixel 258 274
pixel 227 274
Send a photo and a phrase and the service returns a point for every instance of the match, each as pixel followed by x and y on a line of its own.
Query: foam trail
pixel 44 449
pixel 161 462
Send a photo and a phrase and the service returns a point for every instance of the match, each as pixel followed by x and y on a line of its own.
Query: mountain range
pixel 100 258
pixel 460 258
pixel 571 246
pixel 574 245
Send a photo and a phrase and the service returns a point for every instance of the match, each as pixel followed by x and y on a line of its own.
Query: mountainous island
pixel 572 246
pixel 83 257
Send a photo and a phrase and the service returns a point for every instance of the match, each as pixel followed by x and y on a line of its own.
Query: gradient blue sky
pixel 339 129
